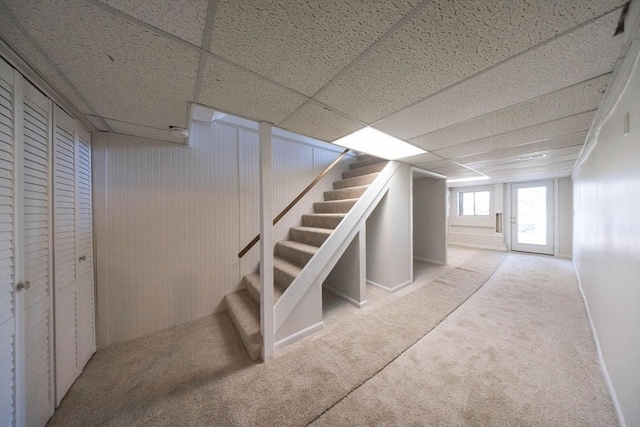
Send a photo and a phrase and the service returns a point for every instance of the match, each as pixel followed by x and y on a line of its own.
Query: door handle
pixel 23 285
pixel 82 258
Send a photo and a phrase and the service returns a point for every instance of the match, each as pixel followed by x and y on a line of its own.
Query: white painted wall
pixel 430 220
pixel 171 220
pixel 606 249
pixel 388 240
pixel 477 232
pixel 564 218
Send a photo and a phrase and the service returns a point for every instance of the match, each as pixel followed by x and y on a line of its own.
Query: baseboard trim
pixel 345 297
pixel 603 366
pixel 432 261
pixel 472 245
pixel 298 335
pixel 565 256
pixel 384 288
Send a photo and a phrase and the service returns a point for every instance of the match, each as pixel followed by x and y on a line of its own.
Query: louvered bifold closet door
pixel 86 294
pixel 7 249
pixel 36 237
pixel 65 255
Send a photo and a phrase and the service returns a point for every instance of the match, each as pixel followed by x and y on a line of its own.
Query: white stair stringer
pixel 306 288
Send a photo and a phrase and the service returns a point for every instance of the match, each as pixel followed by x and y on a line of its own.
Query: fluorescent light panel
pixel 474 178
pixel 379 144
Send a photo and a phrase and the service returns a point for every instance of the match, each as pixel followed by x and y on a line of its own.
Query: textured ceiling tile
pixel 144 131
pixel 317 121
pixel 241 92
pixel 543 171
pixel 447 42
pixel 563 103
pixel 528 149
pixel 421 158
pixel 182 18
pixel 512 164
pixel 126 72
pixel 28 52
pixel 301 43
pixel 541 132
pixel 573 151
pixel 442 166
pixel 576 57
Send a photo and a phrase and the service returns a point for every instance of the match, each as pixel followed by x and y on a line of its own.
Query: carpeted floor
pixel 444 351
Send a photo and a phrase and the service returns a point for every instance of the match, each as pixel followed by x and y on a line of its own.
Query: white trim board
pixel 298 335
pixel 429 260
pixel 345 297
pixel 471 245
pixel 603 366
pixel 384 288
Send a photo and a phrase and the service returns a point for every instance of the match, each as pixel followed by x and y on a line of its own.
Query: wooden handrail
pixel 293 203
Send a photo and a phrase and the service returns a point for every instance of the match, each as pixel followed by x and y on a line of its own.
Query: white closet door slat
pixel 65 260
pixel 86 294
pixel 7 254
pixel 36 193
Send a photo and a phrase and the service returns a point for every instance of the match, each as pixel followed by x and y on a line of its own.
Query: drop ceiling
pixel 476 84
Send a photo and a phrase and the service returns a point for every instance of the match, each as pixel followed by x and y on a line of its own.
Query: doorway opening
pixel 532 217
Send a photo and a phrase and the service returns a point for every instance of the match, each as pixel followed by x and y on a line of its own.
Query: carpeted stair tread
pixel 376 167
pixel 345 193
pixel 322 220
pixel 295 252
pixel 334 206
pixel 245 315
pixel 366 162
pixel 284 272
pixel 355 181
pixel 363 156
pixel 252 283
pixel 309 235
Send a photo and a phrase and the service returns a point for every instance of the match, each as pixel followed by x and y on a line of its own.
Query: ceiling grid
pixel 465 80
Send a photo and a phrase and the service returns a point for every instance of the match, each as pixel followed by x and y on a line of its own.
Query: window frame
pixel 471 220
pixel 475 206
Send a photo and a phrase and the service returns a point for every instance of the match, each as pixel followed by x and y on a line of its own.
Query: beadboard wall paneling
pixel 173 219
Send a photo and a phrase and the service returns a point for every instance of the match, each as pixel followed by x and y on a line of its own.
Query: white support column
pixel 266 241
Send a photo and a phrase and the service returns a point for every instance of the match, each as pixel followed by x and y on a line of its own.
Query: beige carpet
pixel 536 334
pixel 518 353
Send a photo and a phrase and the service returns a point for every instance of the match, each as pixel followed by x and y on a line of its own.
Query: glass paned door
pixel 532 217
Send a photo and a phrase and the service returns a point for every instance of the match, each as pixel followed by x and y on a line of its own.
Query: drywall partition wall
pixel 477 231
pixel 430 220
pixel 170 220
pixel 606 251
pixel 564 218
pixel 388 239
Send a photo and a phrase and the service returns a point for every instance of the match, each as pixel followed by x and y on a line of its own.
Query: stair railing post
pixel 266 240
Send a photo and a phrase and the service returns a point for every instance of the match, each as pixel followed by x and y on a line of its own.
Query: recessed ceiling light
pixel 379 144
pixel 179 132
pixel 533 157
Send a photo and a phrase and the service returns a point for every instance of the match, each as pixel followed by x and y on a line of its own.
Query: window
pixel 474 203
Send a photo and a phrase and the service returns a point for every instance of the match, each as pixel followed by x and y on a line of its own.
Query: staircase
pixel 290 256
